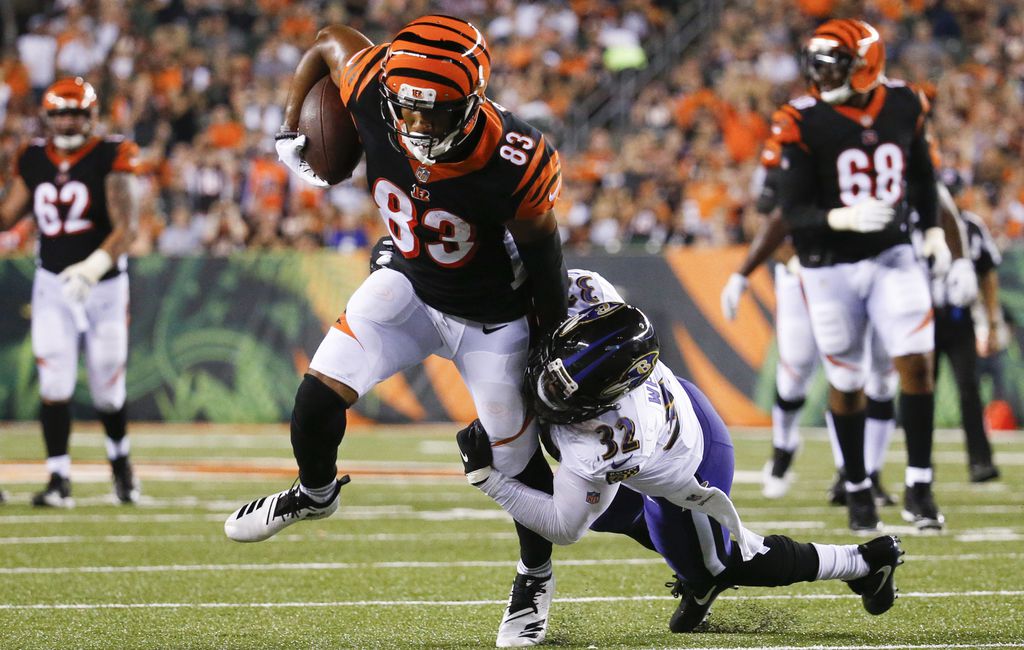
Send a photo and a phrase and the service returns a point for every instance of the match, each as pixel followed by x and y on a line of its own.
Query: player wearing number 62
pixel 81 189
pixel 466 191
pixel 855 163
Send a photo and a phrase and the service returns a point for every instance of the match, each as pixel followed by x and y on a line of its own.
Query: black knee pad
pixel 877 410
pixel 789 405
pixel 787 561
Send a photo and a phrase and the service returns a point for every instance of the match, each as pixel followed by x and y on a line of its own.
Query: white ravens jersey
pixel 652 442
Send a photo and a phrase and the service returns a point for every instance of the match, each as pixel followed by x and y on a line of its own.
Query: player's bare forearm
pixel 14 203
pixel 769 235
pixel 123 208
pixel 988 285
pixel 952 224
pixel 327 56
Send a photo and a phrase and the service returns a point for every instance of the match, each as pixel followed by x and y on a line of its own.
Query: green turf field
pixel 416 558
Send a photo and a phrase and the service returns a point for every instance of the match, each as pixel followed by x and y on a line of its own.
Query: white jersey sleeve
pixel 561 518
pixel 588 288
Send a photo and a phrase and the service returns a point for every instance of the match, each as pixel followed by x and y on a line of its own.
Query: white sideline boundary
pixel 477 603
pixel 404 564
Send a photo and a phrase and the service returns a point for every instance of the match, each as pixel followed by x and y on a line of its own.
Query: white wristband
pixel 478 476
pixel 97 264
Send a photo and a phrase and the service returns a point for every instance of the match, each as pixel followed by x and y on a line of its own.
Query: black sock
pixel 56 422
pixel 318 425
pixel 787 561
pixel 850 433
pixel 918 415
pixel 115 423
pixel 534 550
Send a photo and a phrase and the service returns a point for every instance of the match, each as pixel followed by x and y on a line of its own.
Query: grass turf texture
pixel 425 561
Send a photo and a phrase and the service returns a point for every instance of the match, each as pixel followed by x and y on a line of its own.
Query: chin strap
pixel 837 95
pixel 67 142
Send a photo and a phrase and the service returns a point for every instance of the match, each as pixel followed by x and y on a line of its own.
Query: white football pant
pixel 386 328
pixel 56 326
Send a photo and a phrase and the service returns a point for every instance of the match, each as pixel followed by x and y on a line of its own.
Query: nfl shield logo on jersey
pixel 593 497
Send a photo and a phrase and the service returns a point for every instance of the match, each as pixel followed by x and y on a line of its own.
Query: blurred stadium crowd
pixel 199 84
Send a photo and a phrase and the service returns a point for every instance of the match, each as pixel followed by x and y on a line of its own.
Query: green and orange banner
pixel 227 339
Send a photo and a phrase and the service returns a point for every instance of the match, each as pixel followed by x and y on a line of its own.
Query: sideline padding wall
pixel 226 339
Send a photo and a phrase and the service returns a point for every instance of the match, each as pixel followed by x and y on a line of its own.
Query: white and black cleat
pixel 56 494
pixel 265 517
pixel 919 509
pixel 126 485
pixel 525 622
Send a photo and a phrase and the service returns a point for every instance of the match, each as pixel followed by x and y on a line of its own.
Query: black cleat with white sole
pixel 919 508
pixel 126 485
pixel 863 514
pixel 269 515
pixel 56 494
pixel 877 589
pixel 525 622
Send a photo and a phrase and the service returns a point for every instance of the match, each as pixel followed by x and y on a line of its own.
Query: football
pixel 332 144
pixel 332 148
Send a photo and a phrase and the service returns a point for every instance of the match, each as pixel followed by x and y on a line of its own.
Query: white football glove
pixel 731 295
pixel 961 283
pixel 870 215
pixel 9 241
pixel 289 147
pixel 78 279
pixel 937 250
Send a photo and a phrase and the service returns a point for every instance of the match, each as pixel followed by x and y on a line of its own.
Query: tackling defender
pixel 856 156
pixel 618 417
pixel 466 191
pixel 82 189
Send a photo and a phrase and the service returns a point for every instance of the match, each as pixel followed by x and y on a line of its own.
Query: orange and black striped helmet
pixel 843 57
pixel 439 66
pixel 69 94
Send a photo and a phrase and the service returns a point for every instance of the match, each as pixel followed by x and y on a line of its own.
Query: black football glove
pixel 475 448
pixel 380 254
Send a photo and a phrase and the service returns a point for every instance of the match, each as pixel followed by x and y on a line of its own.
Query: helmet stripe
pixel 475 40
pixel 576 357
pixel 424 75
pixel 440 62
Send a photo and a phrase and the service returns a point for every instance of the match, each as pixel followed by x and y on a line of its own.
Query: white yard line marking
pixel 305 566
pixel 473 603
pixel 314 537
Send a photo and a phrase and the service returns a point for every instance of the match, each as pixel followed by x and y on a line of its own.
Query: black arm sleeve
pixel 797 191
pixel 921 183
pixel 549 280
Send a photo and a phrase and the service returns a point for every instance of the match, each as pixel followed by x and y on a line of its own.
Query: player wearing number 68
pixel 81 191
pixel 855 164
pixel 465 189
